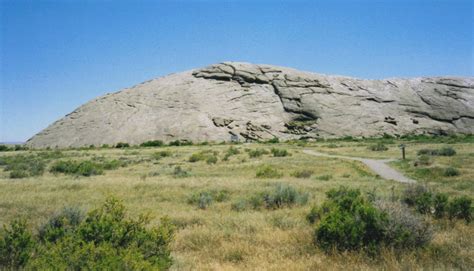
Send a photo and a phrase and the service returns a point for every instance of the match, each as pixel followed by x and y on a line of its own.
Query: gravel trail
pixel 379 166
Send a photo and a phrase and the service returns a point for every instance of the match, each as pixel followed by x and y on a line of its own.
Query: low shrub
pixel 161 154
pixel 451 172
pixel 314 215
pixel 461 208
pixel 279 152
pixel 267 171
pixel 16 245
pixel 422 160
pixel 257 153
pixel 284 196
pixel 178 172
pixel 230 152
pixel 445 151
pixel 239 205
pixel 378 147
pixel 22 166
pixel 211 159
pixel 208 156
pixel 348 221
pixel 412 193
pixel 152 143
pixel 274 140
pixel 121 145
pixel 180 143
pixel 18 174
pixel 440 203
pixel 103 239
pixel 204 199
pixel 403 229
pixel 304 173
pixel 84 168
pixel 20 148
pixel 112 164
pixel 5 148
pixel 61 224
pixel 326 177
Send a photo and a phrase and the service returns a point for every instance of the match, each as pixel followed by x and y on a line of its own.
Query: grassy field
pixel 220 230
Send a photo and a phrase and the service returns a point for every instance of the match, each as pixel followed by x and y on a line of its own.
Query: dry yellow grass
pixel 219 238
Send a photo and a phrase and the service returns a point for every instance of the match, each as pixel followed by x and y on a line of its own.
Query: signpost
pixel 402 146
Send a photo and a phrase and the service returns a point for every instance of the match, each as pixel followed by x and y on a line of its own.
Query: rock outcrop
pixel 258 102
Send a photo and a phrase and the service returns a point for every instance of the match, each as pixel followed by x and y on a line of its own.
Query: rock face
pixel 258 102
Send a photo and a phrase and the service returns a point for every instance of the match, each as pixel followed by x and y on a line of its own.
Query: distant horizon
pixel 56 56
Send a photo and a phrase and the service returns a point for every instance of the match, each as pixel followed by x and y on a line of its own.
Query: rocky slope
pixel 257 102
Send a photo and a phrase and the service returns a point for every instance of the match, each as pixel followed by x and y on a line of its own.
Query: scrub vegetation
pixel 252 206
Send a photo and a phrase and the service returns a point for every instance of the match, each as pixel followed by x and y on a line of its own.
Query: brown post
pixel 402 146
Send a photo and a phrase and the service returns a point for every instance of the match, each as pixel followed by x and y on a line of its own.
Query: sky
pixel 57 55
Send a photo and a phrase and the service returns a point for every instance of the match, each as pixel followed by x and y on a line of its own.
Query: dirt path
pixel 378 166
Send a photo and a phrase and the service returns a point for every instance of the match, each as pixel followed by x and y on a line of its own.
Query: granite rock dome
pixel 258 102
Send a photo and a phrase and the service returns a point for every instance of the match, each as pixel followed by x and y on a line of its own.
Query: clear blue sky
pixel 57 55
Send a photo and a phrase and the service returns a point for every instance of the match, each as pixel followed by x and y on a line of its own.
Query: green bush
pixel 18 174
pixel 279 152
pixel 20 148
pixel 180 143
pixel 304 173
pixel 348 221
pixel 161 154
pixel 112 164
pixel 284 196
pixel 104 239
pixel 206 155
pixel 121 145
pixel 267 171
pixel 211 159
pixel 423 160
pixel 424 202
pixel 326 177
pixel 16 245
pixel 61 224
pixel 84 168
pixel 205 198
pixel 445 151
pixel 230 152
pixel 450 172
pixel 257 153
pixel 440 203
pixel 21 166
pixel 239 205
pixel 201 199
pixel 314 215
pixel 378 147
pixel 178 172
pixel 5 148
pixel 461 208
pixel 412 193
pixel 195 157
pixel 403 229
pixel 351 223
pixel 274 140
pixel 152 143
